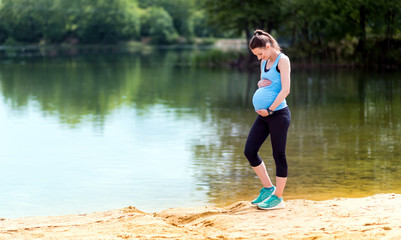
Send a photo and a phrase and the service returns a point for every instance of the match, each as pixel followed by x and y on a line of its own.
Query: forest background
pixel 353 32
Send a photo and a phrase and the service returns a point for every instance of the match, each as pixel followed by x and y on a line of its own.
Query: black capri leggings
pixel 277 126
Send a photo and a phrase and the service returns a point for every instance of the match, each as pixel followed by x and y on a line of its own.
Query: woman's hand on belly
pixel 264 83
pixel 263 112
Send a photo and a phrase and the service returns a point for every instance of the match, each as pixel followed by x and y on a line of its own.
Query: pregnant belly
pixel 263 98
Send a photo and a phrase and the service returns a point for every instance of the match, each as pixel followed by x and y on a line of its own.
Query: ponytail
pixel 261 38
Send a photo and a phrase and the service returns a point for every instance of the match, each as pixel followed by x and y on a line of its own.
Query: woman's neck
pixel 274 55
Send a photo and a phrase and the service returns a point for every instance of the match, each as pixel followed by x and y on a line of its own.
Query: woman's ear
pixel 267 45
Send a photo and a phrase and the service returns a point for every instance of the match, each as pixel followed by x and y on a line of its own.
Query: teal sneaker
pixel 273 202
pixel 265 193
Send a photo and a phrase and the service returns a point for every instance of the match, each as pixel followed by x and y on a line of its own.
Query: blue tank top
pixel 264 97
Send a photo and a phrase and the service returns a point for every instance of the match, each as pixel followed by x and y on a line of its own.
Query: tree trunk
pixel 270 25
pixel 362 31
pixel 248 35
pixel 389 26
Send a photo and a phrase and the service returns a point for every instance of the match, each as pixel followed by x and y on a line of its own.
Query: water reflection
pixel 112 130
pixel 350 142
pixel 342 141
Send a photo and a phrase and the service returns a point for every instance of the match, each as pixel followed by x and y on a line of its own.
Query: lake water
pixel 102 131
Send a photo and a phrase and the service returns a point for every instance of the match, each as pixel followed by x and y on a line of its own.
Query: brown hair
pixel 260 38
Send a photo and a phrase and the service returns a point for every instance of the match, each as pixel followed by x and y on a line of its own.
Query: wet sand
pixel 374 217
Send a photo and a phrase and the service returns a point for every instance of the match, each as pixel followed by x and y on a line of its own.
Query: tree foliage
pixel 90 21
pixel 158 24
pixel 179 10
pixel 333 28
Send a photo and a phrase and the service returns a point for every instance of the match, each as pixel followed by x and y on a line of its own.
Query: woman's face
pixel 261 53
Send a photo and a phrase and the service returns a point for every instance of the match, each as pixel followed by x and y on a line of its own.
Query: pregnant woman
pixel 273 118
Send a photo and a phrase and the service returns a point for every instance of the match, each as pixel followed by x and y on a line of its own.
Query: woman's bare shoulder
pixel 285 58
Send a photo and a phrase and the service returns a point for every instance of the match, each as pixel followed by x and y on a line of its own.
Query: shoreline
pixel 66 49
pixel 373 217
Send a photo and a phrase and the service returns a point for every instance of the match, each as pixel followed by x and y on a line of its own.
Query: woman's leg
pixel 279 127
pixel 257 136
pixel 263 175
pixel 280 185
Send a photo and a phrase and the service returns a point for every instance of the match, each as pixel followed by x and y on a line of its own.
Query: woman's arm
pixel 285 70
pixel 263 82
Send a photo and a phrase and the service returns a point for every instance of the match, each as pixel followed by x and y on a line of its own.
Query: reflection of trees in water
pixel 218 156
pixel 345 136
pixel 344 132
pixel 218 151
pixel 342 141
pixel 89 87
pixel 72 89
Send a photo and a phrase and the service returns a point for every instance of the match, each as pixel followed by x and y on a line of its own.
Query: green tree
pixel 158 24
pixel 91 21
pixel 132 26
pixel 200 27
pixel 104 21
pixel 3 33
pixel 24 20
pixel 179 10
pixel 51 17
pixel 243 16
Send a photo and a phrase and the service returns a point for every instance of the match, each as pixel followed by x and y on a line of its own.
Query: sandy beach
pixel 374 217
